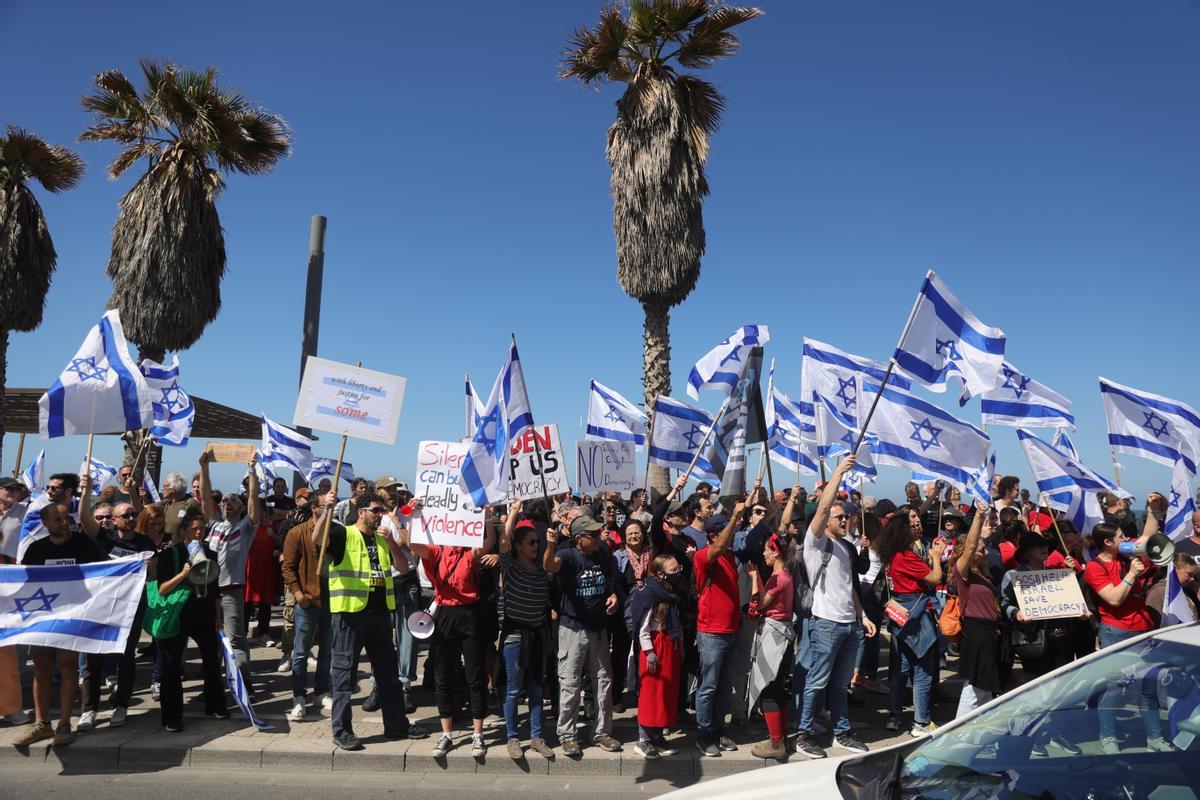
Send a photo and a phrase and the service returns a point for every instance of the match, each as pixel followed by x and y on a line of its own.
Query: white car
pixel 1042 740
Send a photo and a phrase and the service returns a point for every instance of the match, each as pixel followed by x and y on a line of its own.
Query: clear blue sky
pixel 1043 157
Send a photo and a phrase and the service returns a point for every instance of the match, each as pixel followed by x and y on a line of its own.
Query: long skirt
pixel 979 654
pixel 658 694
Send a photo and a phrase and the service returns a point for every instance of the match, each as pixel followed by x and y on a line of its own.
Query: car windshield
pixel 1122 726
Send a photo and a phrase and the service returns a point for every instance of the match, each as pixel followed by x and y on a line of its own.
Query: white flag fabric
pixel 151 489
pixel 1065 483
pixel 100 391
pixel 611 416
pixel 34 476
pixel 1150 425
pixel 324 468
pixel 944 340
pixel 284 448
pixel 266 476
pixel 1180 504
pixel 785 426
pixel 833 374
pixel 1021 402
pixel 237 685
pixel 475 408
pixel 981 481
pixel 32 528
pixel 917 435
pixel 679 430
pixel 507 414
pixel 174 411
pixel 836 436
pixel 87 608
pixel 721 367
pixel 1062 441
pixel 100 474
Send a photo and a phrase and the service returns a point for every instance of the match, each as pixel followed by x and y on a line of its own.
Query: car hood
pixel 819 778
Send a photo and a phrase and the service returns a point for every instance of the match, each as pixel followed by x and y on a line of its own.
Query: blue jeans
pixel 866 664
pixel 408 600
pixel 1109 635
pixel 905 662
pixel 833 648
pixel 528 676
pixel 311 623
pixel 1110 699
pixel 718 662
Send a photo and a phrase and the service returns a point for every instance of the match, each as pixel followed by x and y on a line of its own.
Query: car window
pixel 1123 726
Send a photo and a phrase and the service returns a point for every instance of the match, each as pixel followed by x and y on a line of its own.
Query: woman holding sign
pixel 1041 645
pixel 979 648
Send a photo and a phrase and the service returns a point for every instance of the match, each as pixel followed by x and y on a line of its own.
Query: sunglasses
pixel 104 516
pixel 377 510
pixel 127 516
pixel 837 516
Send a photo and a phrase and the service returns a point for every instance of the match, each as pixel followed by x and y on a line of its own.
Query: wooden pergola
pixel 213 420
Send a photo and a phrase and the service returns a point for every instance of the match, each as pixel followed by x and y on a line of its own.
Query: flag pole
pixel 87 459
pixel 468 401
pixel 707 434
pixel 337 475
pixel 20 454
pixel 1054 518
pixel 537 448
pixel 1116 468
pixel 821 463
pixel 862 430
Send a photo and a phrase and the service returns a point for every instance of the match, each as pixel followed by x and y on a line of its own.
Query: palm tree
pixel 168 251
pixel 657 147
pixel 27 257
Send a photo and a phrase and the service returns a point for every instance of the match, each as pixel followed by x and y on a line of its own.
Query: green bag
pixel 163 613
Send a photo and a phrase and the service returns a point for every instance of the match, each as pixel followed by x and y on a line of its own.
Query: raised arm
pixel 324 505
pixel 514 510
pixel 1156 504
pixel 724 541
pixel 820 520
pixel 967 553
pixel 418 549
pixel 207 505
pixel 254 504
pixel 86 519
pixel 550 560
pixel 789 508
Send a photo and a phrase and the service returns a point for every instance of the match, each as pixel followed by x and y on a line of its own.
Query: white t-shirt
pixel 833 597
pixel 388 526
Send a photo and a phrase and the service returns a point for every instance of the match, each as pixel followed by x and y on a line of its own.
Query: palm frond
pixel 130 155
pixel 27 258
pixel 26 155
pixel 264 139
pixel 675 17
pixel 722 18
pixel 576 59
pixel 701 103
pixel 643 24
pixel 701 52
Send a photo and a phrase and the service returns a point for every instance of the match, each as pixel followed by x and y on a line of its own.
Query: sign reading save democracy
pixel 446 515
pixel 349 400
pixel 1048 593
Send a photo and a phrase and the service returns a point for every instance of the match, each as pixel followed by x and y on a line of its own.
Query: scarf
pixel 640 563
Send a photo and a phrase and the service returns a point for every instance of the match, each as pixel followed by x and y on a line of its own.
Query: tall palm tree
pixel 168 252
pixel 657 147
pixel 27 257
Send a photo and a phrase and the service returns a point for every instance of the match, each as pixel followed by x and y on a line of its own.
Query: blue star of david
pixel 39 596
pixel 847 392
pixel 87 370
pixel 614 414
pixel 1015 381
pixel 925 434
pixel 948 349
pixel 172 398
pixel 848 440
pixel 691 436
pixel 734 355
pixel 493 420
pixel 1155 424
pixel 1174 499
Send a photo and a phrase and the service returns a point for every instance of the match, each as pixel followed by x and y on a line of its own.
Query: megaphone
pixel 1158 549
pixel 420 623
pixel 203 569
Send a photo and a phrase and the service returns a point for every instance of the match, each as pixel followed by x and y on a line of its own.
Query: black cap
pixel 10 483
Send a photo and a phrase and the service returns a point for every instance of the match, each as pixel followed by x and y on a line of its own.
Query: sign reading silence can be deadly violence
pixel 446 515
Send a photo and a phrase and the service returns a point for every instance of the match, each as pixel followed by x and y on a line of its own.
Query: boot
pixel 774 747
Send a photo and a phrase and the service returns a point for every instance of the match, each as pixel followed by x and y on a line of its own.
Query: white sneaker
pixel 269 643
pixel 297 712
pixel 323 701
pixel 1109 745
pixel 312 662
pixel 1159 744
pixel 19 718
pixel 285 666
pixel 154 691
pixel 478 748
pixel 118 717
pixel 442 745
pixel 87 721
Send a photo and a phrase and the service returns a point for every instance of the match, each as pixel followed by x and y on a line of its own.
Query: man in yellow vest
pixel 361 602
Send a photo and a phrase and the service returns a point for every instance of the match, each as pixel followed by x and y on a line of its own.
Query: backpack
pixel 804 592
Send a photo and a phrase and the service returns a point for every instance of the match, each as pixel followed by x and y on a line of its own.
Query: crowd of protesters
pixel 766 604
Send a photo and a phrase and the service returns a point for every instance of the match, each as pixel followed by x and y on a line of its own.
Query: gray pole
pixel 312 309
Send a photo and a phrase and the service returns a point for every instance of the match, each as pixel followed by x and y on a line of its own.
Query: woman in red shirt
pixel 773 641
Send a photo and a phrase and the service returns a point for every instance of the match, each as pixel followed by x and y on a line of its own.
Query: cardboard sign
pixel 524 477
pixel 1048 594
pixel 603 466
pixel 229 451
pixel 446 515
pixel 348 400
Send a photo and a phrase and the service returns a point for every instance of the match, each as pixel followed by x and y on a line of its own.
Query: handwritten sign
pixel 229 451
pixel 1048 594
pixel 524 475
pixel 603 466
pixel 349 400
pixel 446 515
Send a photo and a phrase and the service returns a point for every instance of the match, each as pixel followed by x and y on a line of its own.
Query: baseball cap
pixel 384 481
pixel 716 523
pixel 583 525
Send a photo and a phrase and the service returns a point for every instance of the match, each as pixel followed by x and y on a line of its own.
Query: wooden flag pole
pixel 20 455
pixel 707 434
pixel 862 431
pixel 1061 541
pixel 821 463
pixel 87 459
pixel 337 476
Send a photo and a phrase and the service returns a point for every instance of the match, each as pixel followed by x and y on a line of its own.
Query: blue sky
pixel 1040 156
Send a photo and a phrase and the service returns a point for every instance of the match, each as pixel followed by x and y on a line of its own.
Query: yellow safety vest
pixel 350 578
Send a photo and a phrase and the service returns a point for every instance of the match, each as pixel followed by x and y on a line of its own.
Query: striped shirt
pixel 526 593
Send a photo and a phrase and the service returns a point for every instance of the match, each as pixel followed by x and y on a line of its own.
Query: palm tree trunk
pixel 3 384
pixel 656 370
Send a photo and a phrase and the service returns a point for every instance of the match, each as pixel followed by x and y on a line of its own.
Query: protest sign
pixel 605 466
pixel 524 479
pixel 1048 594
pixel 349 400
pixel 229 451
pixel 446 515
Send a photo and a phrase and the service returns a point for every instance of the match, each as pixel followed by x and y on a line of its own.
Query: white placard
pixel 603 466
pixel 446 515
pixel 1049 594
pixel 524 480
pixel 345 399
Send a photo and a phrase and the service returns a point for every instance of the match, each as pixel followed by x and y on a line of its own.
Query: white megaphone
pixel 203 569
pixel 1157 548
pixel 420 623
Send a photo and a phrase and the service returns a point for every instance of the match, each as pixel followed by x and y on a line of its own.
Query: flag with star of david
pixel 1180 503
pixel 101 390
pixel 99 472
pixel 611 416
pixel 742 424
pixel 678 432
pixel 836 436
pixel 832 373
pixel 722 367
pixel 1150 425
pixel 786 424
pixel 174 412
pixel 1065 483
pixel 1021 402
pixel 944 340
pixel 507 414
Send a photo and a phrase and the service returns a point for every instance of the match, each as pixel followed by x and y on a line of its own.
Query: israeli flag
pixel 1065 483
pixel 87 608
pixel 721 368
pixel 237 685
pixel 507 414
pixel 1180 505
pixel 100 474
pixel 944 340
pixel 284 448
pixel 1063 442
pixel 34 476
pixel 981 481
pixel 679 430
pixel 174 412
pixel 611 416
pixel 32 528
pixel 1021 402
pixel 833 374
pixel 324 467
pixel 266 475
pixel 1150 425
pixel 151 489
pixel 101 389
pixel 785 425
pixel 475 408
pixel 836 437
pixel 917 435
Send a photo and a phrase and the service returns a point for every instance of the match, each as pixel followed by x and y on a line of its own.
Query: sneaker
pixel 873 685
pixel 442 745
pixel 285 666
pixel 514 750
pixel 1064 745
pixel 323 701
pixel 347 741
pixel 478 748
pixel 171 727
pixel 371 703
pixel 63 735
pixel 39 732
pixel 571 748
pixel 1159 744
pixel 119 716
pixel 312 662
pixel 297 712
pixel 19 718
pixel 848 741
pixel 222 714
pixel 646 750
pixel 707 745
pixel 540 747
pixel 155 689
pixel 269 643
pixel 920 729
pixel 770 749
pixel 1109 745
pixel 87 721
pixel 893 723
pixel 663 746
pixel 607 743
pixel 807 746
pixel 726 744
